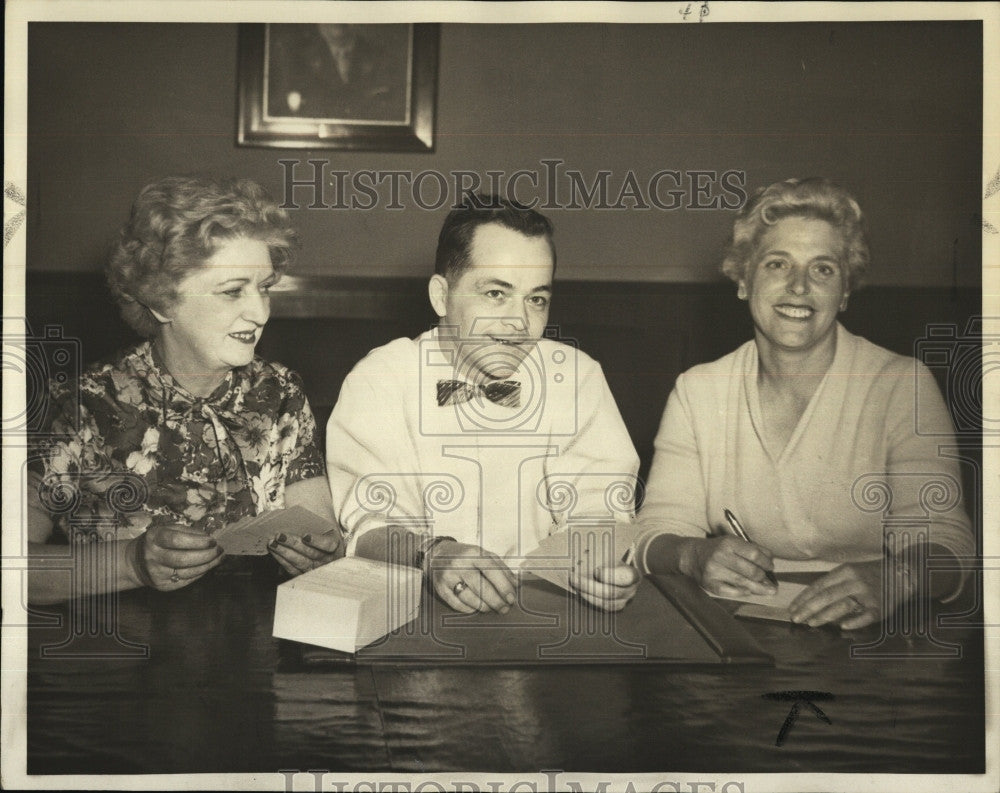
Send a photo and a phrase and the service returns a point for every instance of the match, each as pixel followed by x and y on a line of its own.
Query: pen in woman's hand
pixel 740 532
pixel 629 556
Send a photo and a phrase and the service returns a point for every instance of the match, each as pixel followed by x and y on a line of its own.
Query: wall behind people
pixel 890 110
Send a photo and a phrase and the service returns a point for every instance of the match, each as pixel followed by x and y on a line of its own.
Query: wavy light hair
pixel 815 197
pixel 177 224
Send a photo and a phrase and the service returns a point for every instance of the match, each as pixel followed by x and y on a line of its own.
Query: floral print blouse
pixel 128 447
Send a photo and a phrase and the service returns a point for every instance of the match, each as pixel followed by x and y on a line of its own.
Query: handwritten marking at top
pixel 686 11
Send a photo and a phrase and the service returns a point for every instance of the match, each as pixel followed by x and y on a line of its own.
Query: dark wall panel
pixel 891 110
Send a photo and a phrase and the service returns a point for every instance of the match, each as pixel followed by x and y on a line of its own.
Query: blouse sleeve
pixel 305 460
pixel 70 463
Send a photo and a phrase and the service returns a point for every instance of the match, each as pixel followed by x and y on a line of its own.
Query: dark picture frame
pixel 350 87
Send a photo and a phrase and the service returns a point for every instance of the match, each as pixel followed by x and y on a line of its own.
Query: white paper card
pixel 595 546
pixel 250 536
pixel 787 592
pixel 772 607
pixel 802 565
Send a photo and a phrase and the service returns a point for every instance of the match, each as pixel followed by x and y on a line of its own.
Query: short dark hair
pixel 177 224
pixel 455 239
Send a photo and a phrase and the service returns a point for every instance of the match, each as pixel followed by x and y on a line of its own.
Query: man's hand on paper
pixel 301 554
pixel 469 579
pixel 608 588
pixel 590 562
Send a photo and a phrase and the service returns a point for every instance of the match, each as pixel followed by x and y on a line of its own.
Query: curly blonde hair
pixel 815 197
pixel 177 224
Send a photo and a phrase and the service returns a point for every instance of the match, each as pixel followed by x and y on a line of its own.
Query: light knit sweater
pixel 493 476
pixel 876 425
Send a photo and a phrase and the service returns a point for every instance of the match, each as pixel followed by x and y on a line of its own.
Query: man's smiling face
pixel 497 308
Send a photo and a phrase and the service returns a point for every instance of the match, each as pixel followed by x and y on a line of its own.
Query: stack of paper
pixel 347 604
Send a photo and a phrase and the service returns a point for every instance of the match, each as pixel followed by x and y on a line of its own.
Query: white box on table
pixel 347 604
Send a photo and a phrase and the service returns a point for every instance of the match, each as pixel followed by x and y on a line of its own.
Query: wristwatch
pixel 905 575
pixel 425 547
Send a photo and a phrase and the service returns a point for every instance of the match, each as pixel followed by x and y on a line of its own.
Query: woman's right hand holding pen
pixel 727 566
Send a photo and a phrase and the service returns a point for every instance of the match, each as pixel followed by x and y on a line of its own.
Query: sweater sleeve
pixel 600 456
pixel 372 462
pixel 922 466
pixel 675 492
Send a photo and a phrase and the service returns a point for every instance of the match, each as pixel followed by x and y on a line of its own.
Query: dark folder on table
pixel 670 621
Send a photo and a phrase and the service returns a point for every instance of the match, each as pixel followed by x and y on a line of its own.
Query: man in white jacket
pixel 470 444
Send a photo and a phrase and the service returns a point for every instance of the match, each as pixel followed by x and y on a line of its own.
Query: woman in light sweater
pixel 820 444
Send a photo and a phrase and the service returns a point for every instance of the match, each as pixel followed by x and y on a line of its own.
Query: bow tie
pixel 501 392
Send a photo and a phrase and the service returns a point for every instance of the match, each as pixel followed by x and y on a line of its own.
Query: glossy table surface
pixel 192 681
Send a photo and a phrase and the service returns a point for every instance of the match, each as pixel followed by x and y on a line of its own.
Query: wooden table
pixel 192 681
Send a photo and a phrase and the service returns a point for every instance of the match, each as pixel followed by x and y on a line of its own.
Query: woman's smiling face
pixel 796 284
pixel 221 309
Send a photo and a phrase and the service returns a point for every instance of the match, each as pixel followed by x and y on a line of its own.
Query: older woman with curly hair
pixel 786 435
pixel 200 432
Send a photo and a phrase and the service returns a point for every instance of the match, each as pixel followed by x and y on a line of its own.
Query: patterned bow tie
pixel 501 392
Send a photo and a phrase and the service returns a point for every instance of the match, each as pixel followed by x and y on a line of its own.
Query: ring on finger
pixel 460 587
pixel 175 577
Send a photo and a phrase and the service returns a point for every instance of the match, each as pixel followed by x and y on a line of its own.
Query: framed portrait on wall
pixel 338 86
